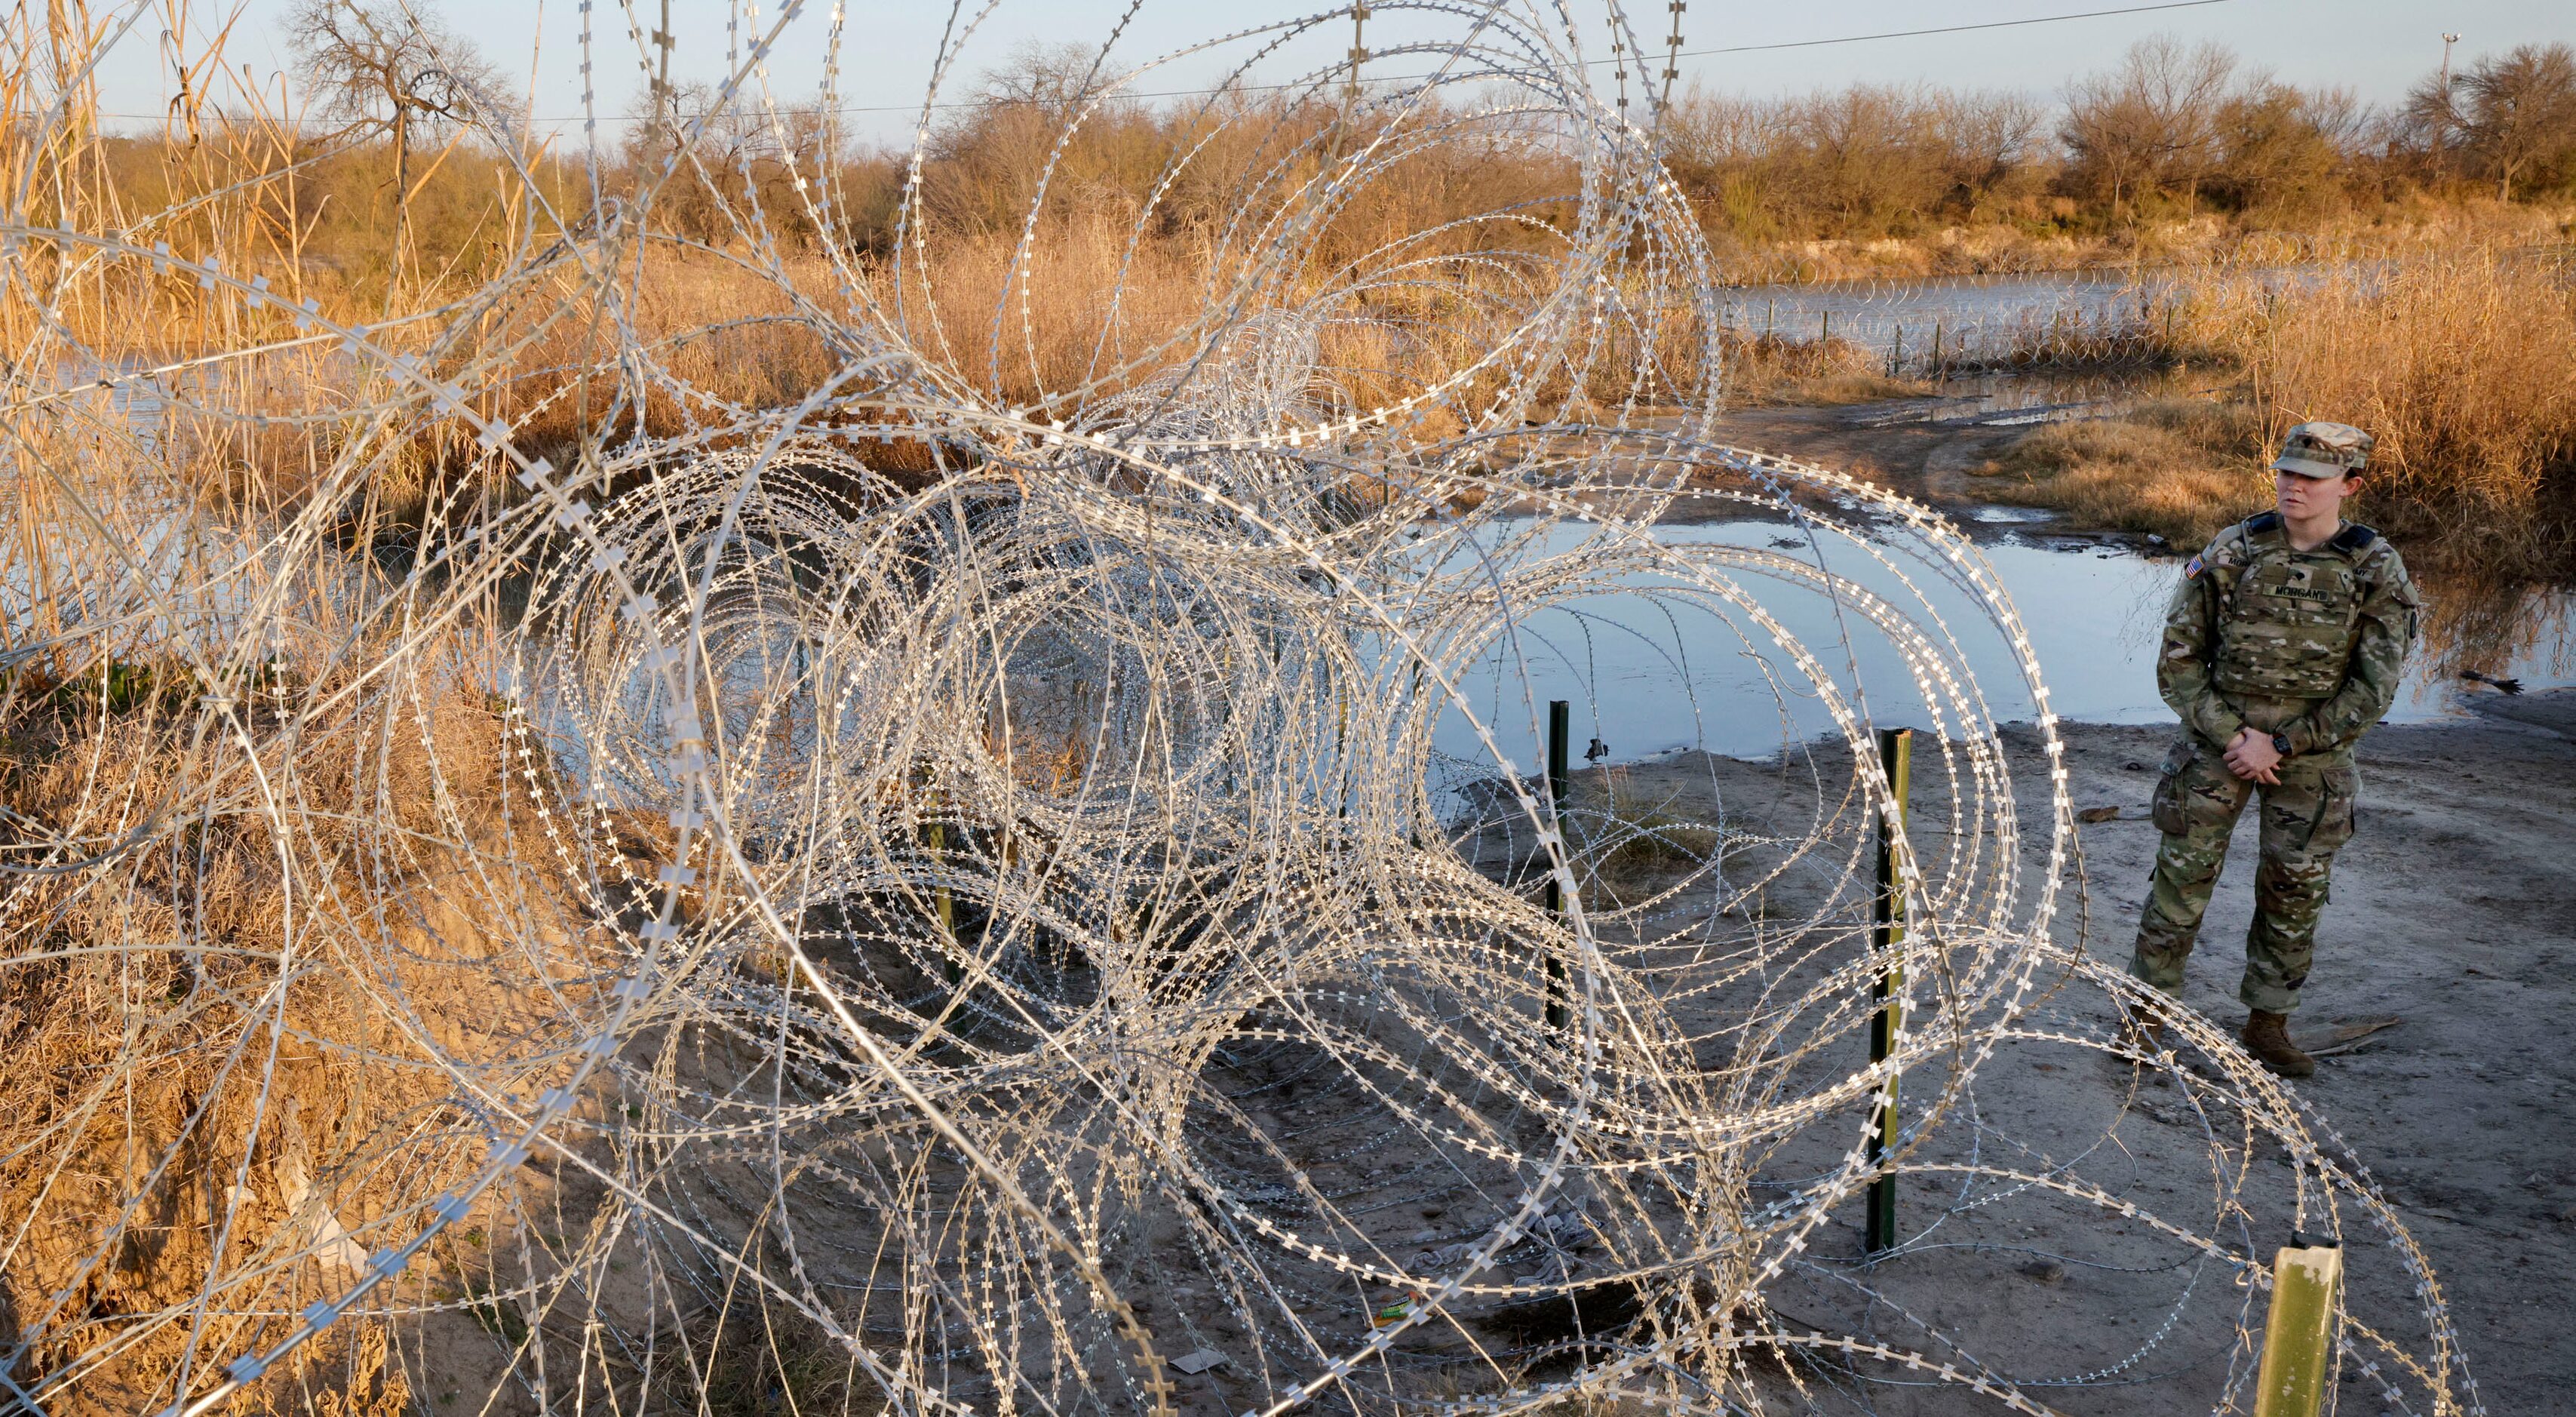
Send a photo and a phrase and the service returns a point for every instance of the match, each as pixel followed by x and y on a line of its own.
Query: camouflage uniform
pixel 2306 644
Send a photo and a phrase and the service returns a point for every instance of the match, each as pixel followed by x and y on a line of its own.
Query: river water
pixel 1967 311
pixel 1649 672
pixel 1974 313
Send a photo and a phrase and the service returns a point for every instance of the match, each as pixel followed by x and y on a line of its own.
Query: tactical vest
pixel 2289 620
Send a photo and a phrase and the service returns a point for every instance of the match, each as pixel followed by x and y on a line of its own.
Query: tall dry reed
pixel 2463 368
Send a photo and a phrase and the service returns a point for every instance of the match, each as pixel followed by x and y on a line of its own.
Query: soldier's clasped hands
pixel 2251 756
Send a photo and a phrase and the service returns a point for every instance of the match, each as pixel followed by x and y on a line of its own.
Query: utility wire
pixel 1409 78
pixel 1948 29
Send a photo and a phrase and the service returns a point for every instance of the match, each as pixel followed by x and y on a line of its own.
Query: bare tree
pixel 390 67
pixel 2148 123
pixel 2428 122
pixel 732 151
pixel 1857 161
pixel 2280 148
pixel 989 155
pixel 1723 148
pixel 1052 77
pixel 2517 114
pixel 1983 142
pixel 1860 154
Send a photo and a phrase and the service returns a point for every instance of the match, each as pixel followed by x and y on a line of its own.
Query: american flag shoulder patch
pixel 2191 568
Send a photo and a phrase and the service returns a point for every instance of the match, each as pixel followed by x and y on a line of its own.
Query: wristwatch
pixel 2281 744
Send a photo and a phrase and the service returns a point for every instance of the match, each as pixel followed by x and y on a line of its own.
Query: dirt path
pixel 2450 916
pixel 1923 460
pixel 2452 913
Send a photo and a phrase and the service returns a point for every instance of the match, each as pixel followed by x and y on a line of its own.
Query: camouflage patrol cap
pixel 2323 450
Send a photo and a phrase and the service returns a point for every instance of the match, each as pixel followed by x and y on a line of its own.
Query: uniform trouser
pixel 2304 819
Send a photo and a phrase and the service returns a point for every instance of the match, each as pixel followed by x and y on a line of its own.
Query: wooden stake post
pixel 2298 1338
pixel 1559 738
pixel 1896 756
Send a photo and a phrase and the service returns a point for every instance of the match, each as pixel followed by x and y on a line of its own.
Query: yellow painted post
pixel 2298 1338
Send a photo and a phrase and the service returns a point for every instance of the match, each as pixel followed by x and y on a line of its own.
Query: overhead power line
pixel 1408 78
pixel 1952 29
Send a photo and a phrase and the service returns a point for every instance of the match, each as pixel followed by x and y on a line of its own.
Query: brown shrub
pixel 1776 369
pixel 225 1072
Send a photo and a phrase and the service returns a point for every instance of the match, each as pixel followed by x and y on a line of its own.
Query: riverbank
pixel 2438 969
pixel 2005 248
pixel 2169 397
pixel 2452 915
pixel 2126 463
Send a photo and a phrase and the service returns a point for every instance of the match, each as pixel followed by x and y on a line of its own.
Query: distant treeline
pixel 2169 133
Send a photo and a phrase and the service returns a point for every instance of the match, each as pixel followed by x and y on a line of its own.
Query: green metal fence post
pixel 935 836
pixel 1896 757
pixel 1559 737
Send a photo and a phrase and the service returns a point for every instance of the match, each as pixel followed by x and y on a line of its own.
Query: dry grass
pixel 1632 846
pixel 1644 847
pixel 2181 468
pixel 2463 368
pixel 759 1358
pixel 2069 239
pixel 1773 369
pixel 155 1166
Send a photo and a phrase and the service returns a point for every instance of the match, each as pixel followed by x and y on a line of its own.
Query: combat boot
pixel 2267 1037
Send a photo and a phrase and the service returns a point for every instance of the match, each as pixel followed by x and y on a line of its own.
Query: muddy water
pixel 1877 314
pixel 1648 671
pixel 1902 316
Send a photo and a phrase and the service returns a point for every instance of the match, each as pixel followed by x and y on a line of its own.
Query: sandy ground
pixel 2450 910
pixel 2453 911
pixel 1921 447
pixel 1888 443
pixel 2451 914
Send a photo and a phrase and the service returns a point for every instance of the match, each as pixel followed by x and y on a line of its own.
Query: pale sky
pixel 2374 47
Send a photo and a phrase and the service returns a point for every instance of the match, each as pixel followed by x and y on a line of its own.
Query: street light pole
pixel 2450 117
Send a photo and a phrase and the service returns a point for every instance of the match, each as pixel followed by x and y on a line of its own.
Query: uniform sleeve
pixel 2388 612
pixel 2183 658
